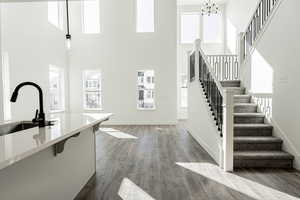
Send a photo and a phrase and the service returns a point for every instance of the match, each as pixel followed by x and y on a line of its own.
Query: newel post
pixel 228 130
pixel 241 50
pixel 196 49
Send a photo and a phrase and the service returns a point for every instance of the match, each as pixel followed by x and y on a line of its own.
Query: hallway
pixel 165 163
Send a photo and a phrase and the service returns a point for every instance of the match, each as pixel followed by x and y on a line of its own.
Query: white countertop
pixel 19 145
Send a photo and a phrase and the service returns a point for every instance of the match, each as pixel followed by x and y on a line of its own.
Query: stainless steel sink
pixel 9 128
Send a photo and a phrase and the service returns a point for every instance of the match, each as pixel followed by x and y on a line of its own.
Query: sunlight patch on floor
pixel 130 191
pixel 237 183
pixel 117 134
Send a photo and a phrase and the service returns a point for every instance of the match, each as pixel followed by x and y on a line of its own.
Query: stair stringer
pixel 287 145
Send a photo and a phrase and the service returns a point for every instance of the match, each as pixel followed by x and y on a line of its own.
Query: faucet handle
pixel 35 119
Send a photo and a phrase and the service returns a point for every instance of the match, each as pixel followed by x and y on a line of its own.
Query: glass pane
pixel 184 81
pixel 92 80
pixel 145 15
pixel 55 14
pixel 91 18
pixel 56 88
pixel 92 90
pixel 184 97
pixel 93 100
pixel 190 24
pixel 212 28
pixel 146 89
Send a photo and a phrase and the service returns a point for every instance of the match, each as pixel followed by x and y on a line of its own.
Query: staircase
pixel 254 143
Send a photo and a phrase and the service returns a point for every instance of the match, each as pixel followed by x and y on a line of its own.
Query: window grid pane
pixel 184 91
pixel 146 87
pixel 145 15
pixel 91 17
pixel 55 14
pixel 92 90
pixel 56 88
pixel 212 28
pixel 190 26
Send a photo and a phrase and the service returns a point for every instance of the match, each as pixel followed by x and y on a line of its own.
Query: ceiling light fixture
pixel 209 8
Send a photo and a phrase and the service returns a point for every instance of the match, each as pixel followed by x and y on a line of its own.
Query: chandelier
pixel 209 8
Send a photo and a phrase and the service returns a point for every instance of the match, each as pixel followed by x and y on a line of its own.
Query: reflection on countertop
pixel 19 145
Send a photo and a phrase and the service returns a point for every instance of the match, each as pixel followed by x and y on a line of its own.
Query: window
pixel 145 15
pixel 56 82
pixel 212 28
pixel 146 90
pixel 190 27
pixel 92 90
pixel 231 37
pixel 91 17
pixel 55 13
pixel 184 90
pixel 6 86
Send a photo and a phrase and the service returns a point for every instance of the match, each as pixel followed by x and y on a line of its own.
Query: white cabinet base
pixel 47 177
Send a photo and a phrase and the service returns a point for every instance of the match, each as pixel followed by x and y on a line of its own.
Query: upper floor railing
pixel 220 100
pixel 225 67
pixel 259 20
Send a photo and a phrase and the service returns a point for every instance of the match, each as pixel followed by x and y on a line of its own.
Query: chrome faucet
pixel 40 115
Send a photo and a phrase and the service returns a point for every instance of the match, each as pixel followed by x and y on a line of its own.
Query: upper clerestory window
pixel 145 16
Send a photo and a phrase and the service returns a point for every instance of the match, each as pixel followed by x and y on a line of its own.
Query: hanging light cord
pixel 68 36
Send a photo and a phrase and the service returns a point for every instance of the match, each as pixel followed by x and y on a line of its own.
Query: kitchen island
pixel 52 162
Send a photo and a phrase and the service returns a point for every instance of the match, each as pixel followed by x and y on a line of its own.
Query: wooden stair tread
pixel 257 139
pixel 260 155
pixel 255 126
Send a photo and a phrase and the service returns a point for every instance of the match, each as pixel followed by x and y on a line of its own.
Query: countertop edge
pixel 31 152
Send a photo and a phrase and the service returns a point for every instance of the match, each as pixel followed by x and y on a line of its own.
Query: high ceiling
pixel 198 2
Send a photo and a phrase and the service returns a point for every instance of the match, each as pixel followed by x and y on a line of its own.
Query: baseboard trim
pixel 139 123
pixel 288 146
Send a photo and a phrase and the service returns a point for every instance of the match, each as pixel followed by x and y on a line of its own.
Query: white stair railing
pixel 220 101
pixel 261 17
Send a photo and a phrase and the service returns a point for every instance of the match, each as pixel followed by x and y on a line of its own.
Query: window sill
pixel 91 110
pixel 146 109
pixel 56 111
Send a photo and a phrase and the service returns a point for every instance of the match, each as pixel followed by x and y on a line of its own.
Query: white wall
pixel 238 15
pixel 279 46
pixel 200 123
pixel 119 52
pixel 31 44
pixel 1 82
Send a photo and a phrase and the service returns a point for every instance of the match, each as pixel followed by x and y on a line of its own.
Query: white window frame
pixel 6 87
pixel 181 25
pixel 98 21
pixel 61 88
pixel 153 91
pixel 154 18
pixel 85 90
pixel 60 12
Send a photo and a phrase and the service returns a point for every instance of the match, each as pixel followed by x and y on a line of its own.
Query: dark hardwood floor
pixel 166 163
